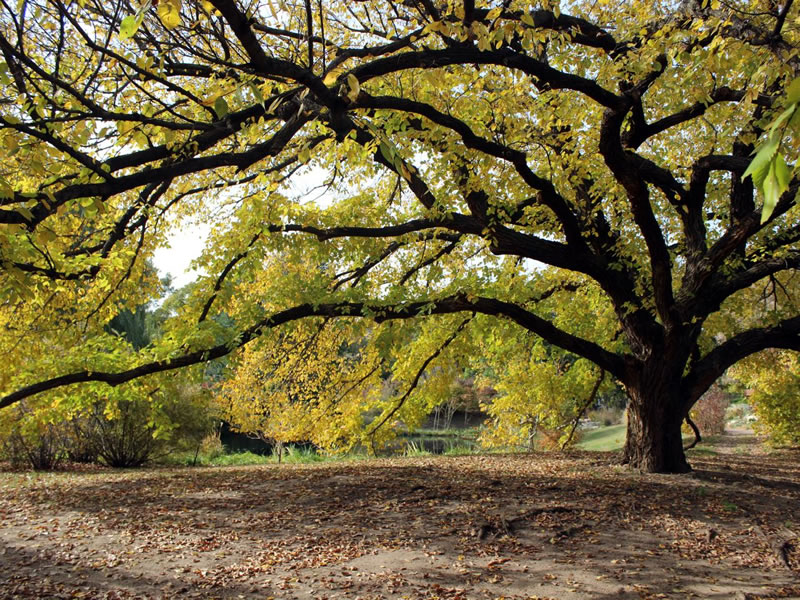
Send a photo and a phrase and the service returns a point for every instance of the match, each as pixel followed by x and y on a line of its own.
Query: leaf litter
pixel 532 526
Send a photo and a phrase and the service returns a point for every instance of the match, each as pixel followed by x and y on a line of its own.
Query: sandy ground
pixel 539 526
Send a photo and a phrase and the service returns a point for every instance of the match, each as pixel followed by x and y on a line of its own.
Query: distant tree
pixel 774 384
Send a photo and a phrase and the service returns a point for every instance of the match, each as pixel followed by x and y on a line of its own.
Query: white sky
pixel 184 247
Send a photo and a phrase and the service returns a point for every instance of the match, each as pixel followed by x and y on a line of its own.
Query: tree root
pixel 782 547
pixel 500 526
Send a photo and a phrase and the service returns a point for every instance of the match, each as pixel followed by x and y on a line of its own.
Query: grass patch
pixel 456 432
pixel 240 458
pixel 603 438
pixel 293 455
pixel 462 451
pixel 414 449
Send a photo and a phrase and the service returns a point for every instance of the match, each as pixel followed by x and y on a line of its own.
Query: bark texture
pixel 654 442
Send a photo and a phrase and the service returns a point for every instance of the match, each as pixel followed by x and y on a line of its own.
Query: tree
pixel 291 389
pixel 775 390
pixel 484 164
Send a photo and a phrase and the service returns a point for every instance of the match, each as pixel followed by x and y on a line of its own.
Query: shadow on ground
pixel 518 526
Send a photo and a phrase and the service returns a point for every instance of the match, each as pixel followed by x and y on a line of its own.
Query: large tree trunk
pixel 655 414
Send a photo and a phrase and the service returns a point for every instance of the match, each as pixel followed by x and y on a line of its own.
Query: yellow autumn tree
pixel 774 382
pixel 438 164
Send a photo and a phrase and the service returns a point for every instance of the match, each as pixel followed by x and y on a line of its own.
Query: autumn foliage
pixel 555 194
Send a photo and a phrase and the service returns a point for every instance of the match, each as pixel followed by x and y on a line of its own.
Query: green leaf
pixel 387 152
pixel 221 107
pixel 257 93
pixel 128 27
pixel 782 172
pixel 775 184
pixel 771 193
pixel 793 92
pixel 781 118
pixel 759 167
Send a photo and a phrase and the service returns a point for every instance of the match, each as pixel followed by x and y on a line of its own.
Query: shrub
pixel 77 448
pixel 31 437
pixel 607 416
pixel 772 378
pixel 124 438
pixel 131 428
pixel 709 413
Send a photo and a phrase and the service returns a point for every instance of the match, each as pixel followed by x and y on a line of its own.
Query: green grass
pixel 462 451
pixel 603 438
pixel 294 455
pixel 291 455
pixel 457 432
pixel 240 458
pixel 414 449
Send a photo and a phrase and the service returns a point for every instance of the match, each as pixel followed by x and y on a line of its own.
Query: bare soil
pixel 565 526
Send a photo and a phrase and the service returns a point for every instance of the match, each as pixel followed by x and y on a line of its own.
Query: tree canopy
pixel 516 182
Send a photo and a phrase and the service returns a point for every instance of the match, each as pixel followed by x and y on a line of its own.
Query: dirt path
pixel 740 441
pixel 515 527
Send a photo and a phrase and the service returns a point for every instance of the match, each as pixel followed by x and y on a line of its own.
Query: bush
pixel 42 451
pixel 607 416
pixel 78 447
pixel 709 413
pixel 772 380
pixel 31 438
pixel 133 429
pixel 124 438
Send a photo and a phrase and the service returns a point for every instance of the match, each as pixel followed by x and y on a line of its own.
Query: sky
pixel 184 247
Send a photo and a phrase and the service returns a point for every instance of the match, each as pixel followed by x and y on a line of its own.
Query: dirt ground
pixel 565 526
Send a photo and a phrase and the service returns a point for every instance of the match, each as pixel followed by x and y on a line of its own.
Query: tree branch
pixel 785 334
pixel 379 313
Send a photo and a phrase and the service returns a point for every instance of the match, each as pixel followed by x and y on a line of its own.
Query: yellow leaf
pixel 332 75
pixel 354 87
pixel 494 13
pixel 169 11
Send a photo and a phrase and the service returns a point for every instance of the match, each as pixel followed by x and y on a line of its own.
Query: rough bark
pixel 654 443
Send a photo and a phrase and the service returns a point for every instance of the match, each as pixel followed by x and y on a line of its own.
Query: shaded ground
pixel 522 526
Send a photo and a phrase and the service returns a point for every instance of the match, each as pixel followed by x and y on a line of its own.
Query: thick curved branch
pixel 549 196
pixel 724 288
pixel 636 137
pixel 697 437
pixel 784 335
pixel 151 175
pixel 699 279
pixel 379 313
pixel 540 71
